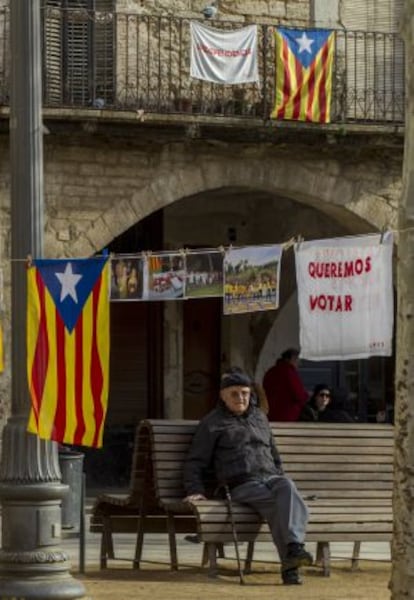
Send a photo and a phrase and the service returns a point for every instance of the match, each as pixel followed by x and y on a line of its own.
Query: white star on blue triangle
pixel 305 44
pixel 70 283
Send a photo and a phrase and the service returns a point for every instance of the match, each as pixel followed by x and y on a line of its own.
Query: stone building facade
pixel 132 180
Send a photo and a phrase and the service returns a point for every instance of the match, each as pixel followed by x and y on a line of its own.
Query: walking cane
pixel 234 532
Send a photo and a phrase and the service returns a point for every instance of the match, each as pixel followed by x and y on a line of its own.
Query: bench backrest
pixel 326 460
pixel 338 460
pixel 170 442
pixel 142 486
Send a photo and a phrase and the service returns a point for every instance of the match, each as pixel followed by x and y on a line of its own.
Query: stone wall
pixel 294 12
pixel 96 187
pixel 149 46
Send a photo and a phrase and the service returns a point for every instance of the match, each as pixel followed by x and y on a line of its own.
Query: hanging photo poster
pixel 127 278
pixel 345 296
pixel 165 278
pixel 204 274
pixel 251 279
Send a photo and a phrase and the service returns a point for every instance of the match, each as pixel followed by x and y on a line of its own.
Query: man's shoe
pixel 291 577
pixel 296 557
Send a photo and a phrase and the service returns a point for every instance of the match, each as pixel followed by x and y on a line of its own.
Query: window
pixel 78 40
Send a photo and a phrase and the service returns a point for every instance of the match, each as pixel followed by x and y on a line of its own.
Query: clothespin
pixel 383 232
pixel 29 261
pixel 299 241
pixel 222 250
pixel 288 244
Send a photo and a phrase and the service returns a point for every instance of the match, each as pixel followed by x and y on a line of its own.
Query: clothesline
pixel 223 249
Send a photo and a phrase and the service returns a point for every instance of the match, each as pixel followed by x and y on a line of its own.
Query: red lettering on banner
pixel 331 302
pixel 222 52
pixel 340 269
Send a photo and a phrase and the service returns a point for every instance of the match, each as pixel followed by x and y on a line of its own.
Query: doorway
pixel 201 355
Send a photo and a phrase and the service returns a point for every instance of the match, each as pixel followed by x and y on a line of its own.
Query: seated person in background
pixel 323 406
pixel 284 389
pixel 235 440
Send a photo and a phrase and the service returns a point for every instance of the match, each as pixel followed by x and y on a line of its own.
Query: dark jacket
pixel 235 447
pixel 285 392
pixel 335 412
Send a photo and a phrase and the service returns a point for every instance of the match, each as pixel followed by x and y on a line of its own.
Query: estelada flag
pixel 68 349
pixel 303 74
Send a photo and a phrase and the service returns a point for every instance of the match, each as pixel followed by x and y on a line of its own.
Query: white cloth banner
pixel 224 56
pixel 345 295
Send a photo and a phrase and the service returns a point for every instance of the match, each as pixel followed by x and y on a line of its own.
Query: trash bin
pixel 71 467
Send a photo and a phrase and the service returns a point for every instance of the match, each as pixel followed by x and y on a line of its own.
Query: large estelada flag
pixel 303 74
pixel 223 56
pixel 345 296
pixel 68 349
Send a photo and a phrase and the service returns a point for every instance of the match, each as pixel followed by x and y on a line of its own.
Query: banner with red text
pixel 345 297
pixel 224 56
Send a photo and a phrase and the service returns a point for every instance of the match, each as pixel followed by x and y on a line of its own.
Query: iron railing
pixel 119 61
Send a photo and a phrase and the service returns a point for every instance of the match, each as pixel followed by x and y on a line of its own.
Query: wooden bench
pixel 344 471
pixel 137 512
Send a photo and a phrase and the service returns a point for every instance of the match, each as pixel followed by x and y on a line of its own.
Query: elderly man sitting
pixel 236 441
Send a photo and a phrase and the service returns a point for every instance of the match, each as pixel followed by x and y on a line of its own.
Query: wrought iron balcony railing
pixel 118 61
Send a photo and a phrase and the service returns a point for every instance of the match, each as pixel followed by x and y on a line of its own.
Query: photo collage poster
pixel 148 277
pixel 251 279
pixel 246 278
pixel 204 274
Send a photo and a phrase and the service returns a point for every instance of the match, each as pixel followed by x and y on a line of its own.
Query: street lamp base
pixel 32 565
pixel 59 587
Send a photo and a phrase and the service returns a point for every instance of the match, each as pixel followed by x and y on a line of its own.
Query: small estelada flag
pixel 68 349
pixel 303 74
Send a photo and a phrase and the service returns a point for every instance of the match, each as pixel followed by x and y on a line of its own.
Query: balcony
pixel 129 62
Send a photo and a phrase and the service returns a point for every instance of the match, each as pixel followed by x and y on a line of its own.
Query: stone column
pixel 402 579
pixel 31 563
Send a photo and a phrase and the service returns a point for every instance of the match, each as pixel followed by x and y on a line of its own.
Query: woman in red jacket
pixel 284 389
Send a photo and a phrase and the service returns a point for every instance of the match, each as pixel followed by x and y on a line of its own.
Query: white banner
pixel 345 296
pixel 224 56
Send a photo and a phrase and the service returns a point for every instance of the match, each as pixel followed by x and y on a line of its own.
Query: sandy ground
pixel 369 582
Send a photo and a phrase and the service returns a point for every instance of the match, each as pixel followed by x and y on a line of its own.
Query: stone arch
pixel 360 204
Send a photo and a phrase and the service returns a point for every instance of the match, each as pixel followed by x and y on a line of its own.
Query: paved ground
pixel 155 580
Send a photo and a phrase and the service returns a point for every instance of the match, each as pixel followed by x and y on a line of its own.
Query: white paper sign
pixel 224 56
pixel 345 295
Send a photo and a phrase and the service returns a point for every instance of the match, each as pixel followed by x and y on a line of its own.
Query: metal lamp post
pixel 31 563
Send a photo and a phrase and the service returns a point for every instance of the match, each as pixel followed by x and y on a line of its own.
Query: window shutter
pixel 52 53
pixel 374 59
pixel 79 54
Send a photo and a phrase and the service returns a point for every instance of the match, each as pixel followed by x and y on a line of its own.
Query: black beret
pixel 229 379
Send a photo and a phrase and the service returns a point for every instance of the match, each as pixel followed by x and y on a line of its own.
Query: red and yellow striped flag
pixel 303 74
pixel 68 349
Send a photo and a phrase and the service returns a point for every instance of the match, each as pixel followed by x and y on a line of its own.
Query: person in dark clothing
pixel 323 406
pixel 284 389
pixel 236 441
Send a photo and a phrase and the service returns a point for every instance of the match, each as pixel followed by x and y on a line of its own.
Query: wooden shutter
pixel 104 56
pixel 79 54
pixel 374 60
pixel 52 53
